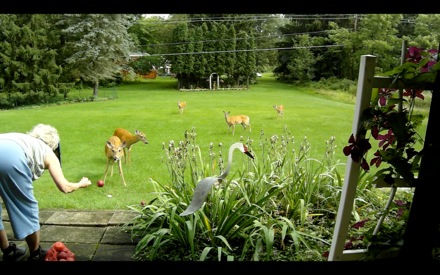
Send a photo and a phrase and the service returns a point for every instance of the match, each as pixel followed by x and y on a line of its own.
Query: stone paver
pixel 94 218
pixel 91 235
pixel 72 234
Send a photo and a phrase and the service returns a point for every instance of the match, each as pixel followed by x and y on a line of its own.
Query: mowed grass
pixel 151 106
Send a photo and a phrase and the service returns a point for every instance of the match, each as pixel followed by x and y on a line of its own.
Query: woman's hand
pixel 84 182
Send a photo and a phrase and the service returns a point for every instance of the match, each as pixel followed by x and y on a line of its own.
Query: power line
pixel 259 18
pixel 236 39
pixel 250 50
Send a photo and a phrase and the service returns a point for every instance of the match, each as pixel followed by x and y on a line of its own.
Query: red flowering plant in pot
pixel 392 122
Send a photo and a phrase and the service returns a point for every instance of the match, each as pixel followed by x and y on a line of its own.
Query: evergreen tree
pixel 97 46
pixel 189 57
pixel 28 69
pixel 251 64
pixel 178 60
pixel 210 47
pixel 199 58
pixel 241 60
pixel 221 47
pixel 230 57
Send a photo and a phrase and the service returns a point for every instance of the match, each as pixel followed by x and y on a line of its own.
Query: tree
pixel 152 35
pixel 425 36
pixel 242 70
pixel 230 58
pixel 200 61
pixel 267 34
pixel 221 47
pixel 377 35
pixel 251 63
pixel 211 41
pixel 149 34
pixel 97 45
pixel 28 71
pixel 302 68
pixel 180 35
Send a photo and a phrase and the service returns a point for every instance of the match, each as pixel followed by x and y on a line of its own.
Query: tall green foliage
pixel 207 47
pixel 251 62
pixel 97 45
pixel 425 27
pixel 302 70
pixel 28 71
pixel 230 59
pixel 222 48
pixel 211 47
pixel 180 35
pixel 200 62
pixel 336 42
pixel 377 35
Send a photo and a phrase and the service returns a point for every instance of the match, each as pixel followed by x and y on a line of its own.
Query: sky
pixel 164 15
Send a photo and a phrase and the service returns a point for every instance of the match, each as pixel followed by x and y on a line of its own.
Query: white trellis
pixel 366 82
pixel 352 171
pixel 217 80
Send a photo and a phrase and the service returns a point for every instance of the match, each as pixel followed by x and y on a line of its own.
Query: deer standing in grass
pixel 181 105
pixel 129 139
pixel 233 120
pixel 114 151
pixel 280 110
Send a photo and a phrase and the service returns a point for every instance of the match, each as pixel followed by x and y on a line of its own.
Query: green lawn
pixel 151 106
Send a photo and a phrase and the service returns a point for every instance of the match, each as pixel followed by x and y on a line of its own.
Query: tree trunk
pixel 95 89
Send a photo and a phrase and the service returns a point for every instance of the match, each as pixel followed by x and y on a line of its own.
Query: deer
pixel 280 110
pixel 114 151
pixel 181 105
pixel 129 139
pixel 233 120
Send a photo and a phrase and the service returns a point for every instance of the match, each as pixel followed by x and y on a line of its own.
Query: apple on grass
pixel 100 183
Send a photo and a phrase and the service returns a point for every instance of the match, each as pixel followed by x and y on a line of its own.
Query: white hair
pixel 46 133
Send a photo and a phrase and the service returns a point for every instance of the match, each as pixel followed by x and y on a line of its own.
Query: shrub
pixel 250 215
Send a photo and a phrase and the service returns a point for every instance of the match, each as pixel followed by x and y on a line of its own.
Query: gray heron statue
pixel 204 186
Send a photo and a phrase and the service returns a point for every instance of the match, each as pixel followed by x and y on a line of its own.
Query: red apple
pixel 100 183
pixel 62 256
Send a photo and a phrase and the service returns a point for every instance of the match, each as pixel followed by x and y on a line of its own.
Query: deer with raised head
pixel 181 105
pixel 129 139
pixel 234 120
pixel 280 110
pixel 114 151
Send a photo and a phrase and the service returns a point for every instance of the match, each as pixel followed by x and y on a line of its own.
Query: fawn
pixel 181 105
pixel 240 119
pixel 114 151
pixel 129 139
pixel 280 110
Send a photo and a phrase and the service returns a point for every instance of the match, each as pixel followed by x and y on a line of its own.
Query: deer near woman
pixel 233 120
pixel 129 139
pixel 114 151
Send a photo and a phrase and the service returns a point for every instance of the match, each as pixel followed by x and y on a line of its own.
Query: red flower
pixel 414 55
pixel 384 95
pixel 377 160
pixel 360 224
pixel 413 93
pixel 357 149
pixel 348 245
pixel 386 139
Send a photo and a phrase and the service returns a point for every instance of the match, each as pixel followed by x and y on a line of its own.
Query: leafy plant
pixel 392 122
pixel 246 217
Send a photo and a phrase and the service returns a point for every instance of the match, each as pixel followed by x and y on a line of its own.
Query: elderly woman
pixel 23 159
